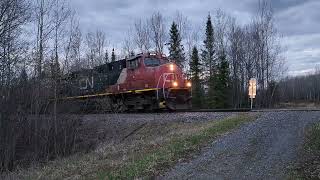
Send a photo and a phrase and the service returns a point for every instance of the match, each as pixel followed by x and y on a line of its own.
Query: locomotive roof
pixel 114 63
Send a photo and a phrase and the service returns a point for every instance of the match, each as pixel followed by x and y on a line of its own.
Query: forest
pixel 41 40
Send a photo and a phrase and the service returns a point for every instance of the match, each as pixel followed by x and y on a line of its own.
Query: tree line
pixel 42 40
pixel 298 89
pixel 231 54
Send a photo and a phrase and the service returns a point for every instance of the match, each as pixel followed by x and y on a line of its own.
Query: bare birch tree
pixel 128 44
pixel 13 14
pixel 95 47
pixel 142 35
pixel 158 31
pixel 221 22
pixel 183 24
pixel 72 29
pixel 61 13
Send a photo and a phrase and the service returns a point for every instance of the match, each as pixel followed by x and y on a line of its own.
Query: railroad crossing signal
pixel 252 89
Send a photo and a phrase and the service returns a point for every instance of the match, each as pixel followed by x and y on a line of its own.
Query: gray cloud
pixel 297 20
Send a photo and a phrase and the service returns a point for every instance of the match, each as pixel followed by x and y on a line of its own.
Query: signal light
pixel 189 84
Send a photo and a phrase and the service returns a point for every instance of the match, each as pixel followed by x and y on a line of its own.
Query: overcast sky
pixel 298 21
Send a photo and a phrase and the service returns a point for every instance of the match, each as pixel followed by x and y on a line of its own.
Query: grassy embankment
pixel 148 152
pixel 308 166
pixel 167 155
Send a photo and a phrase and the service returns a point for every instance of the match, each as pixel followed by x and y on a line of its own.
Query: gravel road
pixel 263 149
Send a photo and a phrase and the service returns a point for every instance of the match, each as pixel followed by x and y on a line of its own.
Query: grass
pixel 148 165
pixel 309 162
pixel 313 141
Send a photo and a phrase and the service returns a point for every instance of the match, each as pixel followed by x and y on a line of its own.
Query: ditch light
pixel 175 84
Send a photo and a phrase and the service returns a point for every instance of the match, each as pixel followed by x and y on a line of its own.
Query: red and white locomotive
pixel 146 81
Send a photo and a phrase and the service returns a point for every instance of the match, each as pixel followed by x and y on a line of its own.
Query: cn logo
pixel 86 83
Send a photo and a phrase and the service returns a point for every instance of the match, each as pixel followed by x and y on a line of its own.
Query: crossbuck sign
pixel 252 89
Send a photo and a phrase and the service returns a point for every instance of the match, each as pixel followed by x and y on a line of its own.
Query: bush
pixel 27 137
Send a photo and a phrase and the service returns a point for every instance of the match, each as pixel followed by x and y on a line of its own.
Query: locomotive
pixel 147 81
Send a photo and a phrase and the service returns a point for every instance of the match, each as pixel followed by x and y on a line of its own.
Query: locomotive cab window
pixel 151 62
pixel 133 64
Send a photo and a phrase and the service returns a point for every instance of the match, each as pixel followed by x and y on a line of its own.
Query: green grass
pixel 313 141
pixel 149 164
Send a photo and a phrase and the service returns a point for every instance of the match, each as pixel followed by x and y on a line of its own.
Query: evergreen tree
pixel 195 78
pixel 113 56
pixel 106 56
pixel 209 59
pixel 222 83
pixel 208 52
pixel 175 47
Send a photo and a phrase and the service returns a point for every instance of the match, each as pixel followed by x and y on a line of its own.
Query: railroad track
pixel 187 110
pixel 216 110
pixel 285 109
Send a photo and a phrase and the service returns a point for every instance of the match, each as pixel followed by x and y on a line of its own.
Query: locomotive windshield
pixel 152 62
pixel 132 64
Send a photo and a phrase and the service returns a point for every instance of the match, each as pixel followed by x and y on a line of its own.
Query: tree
pixel 95 46
pixel 61 13
pixel 75 48
pixel 221 22
pixel 192 39
pixel 106 56
pixel 128 44
pixel 239 66
pixel 46 24
pixel 195 79
pixel 182 23
pixel 208 57
pixel 113 56
pixel 158 31
pixel 221 85
pixel 142 35
pixel 208 52
pixel 175 46
pixel 70 38
pixel 13 15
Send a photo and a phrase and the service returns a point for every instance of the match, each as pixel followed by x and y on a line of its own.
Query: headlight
pixel 189 84
pixel 171 66
pixel 175 84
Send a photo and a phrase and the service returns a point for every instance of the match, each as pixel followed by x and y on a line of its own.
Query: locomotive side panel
pixel 92 81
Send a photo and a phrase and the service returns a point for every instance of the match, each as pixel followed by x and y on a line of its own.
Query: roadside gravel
pixel 263 149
